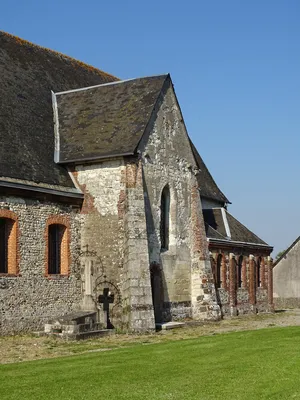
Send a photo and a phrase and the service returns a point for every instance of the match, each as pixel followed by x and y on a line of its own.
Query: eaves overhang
pixel 40 192
pixel 232 243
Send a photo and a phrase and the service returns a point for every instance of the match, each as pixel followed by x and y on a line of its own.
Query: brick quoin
pixel 131 175
pixel 88 205
pixel 232 280
pixel 262 273
pixel 252 291
pixel 65 244
pixel 224 272
pixel 13 256
pixel 244 273
pixel 199 238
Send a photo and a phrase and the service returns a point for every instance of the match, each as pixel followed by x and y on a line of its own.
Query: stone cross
pixel 106 299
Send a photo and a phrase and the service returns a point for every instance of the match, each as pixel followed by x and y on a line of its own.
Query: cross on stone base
pixel 106 299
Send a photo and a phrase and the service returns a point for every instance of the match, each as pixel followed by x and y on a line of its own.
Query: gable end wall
pixel 187 289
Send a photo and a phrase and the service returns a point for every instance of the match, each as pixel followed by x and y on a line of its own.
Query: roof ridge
pixel 167 76
pixel 57 53
pixel 286 251
pixel 118 82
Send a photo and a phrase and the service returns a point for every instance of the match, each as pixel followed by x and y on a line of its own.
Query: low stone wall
pixel 283 303
pixel 177 311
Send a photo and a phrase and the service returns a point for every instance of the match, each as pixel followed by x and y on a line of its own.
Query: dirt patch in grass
pixel 24 348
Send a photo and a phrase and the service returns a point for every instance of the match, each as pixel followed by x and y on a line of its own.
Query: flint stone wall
pixel 29 299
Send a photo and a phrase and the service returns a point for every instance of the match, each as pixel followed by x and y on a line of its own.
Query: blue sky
pixel 235 66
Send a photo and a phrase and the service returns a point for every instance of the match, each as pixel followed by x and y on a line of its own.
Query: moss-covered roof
pixel 105 120
pixel 28 73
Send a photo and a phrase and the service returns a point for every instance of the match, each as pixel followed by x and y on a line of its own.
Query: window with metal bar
pixel 55 237
pixel 3 246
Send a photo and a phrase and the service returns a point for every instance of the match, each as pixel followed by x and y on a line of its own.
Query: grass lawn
pixel 261 364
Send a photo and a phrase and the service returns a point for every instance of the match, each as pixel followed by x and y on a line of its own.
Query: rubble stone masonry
pixel 28 297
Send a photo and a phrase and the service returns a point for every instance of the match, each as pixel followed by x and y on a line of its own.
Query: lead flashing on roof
pixel 226 225
pixel 97 158
pixel 56 128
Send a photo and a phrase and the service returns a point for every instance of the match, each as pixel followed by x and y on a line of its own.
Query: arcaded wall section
pixel 245 280
pixel 28 296
pixel 182 281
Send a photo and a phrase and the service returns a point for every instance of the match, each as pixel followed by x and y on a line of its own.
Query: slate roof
pixel 110 120
pixel 28 73
pixel 215 228
pixel 207 185
pixel 105 120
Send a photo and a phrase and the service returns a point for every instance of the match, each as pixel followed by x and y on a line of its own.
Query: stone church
pixel 102 191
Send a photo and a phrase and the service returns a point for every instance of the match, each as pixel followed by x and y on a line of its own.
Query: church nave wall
pixel 31 295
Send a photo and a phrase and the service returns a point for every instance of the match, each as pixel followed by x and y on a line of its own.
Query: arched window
pixel 165 218
pixel 8 243
pixel 239 279
pixel 57 251
pixel 219 271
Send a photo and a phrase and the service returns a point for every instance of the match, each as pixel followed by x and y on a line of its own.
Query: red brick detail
pixel 13 256
pixel 262 273
pixel 139 174
pixel 65 244
pixel 232 281
pixel 121 204
pixel 244 273
pixel 224 272
pixel 213 264
pixel 252 285
pixel 132 174
pixel 199 238
pixel 88 205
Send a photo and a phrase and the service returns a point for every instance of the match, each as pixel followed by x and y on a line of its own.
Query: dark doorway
pixel 165 218
pixel 157 291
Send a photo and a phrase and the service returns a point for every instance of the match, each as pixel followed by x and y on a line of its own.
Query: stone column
pixel 203 291
pixel 138 312
pixel 232 284
pixel 252 283
pixel 88 303
pixel 270 284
